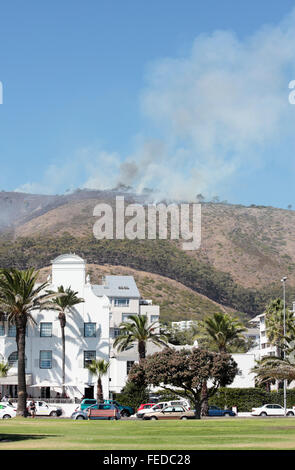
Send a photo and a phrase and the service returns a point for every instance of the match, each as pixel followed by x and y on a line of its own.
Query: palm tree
pixel 63 304
pixel 19 296
pixel 4 368
pixel 99 368
pixel 274 314
pixel 222 331
pixel 137 330
pixel 274 368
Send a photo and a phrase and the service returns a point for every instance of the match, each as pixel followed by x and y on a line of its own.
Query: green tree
pixel 219 331
pixel 181 337
pixel 188 370
pixel 64 304
pixel 274 368
pixel 4 368
pixel 19 297
pixel 137 330
pixel 274 322
pixel 99 367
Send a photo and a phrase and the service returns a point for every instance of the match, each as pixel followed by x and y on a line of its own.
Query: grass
pixel 208 434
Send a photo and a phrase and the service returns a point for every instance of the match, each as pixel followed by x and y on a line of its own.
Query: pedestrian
pixel 32 408
pixel 5 398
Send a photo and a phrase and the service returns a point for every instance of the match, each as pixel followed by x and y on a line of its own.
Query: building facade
pixel 91 329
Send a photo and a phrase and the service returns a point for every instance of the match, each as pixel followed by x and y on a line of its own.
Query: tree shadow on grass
pixel 23 437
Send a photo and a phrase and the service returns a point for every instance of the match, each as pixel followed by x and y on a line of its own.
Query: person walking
pixel 32 408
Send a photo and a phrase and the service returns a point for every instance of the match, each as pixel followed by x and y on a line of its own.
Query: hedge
pixel 247 398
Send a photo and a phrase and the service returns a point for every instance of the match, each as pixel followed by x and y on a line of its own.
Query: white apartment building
pixel 265 347
pixel 183 325
pixel 90 329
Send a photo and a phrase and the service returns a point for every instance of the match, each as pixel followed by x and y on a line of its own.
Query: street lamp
pixel 283 280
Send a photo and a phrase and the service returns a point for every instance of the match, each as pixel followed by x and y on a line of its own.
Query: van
pixel 159 406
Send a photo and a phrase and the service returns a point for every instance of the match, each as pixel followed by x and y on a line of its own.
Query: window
pixel 178 408
pixel 89 330
pixel 154 318
pixel 129 366
pixel 2 330
pixel 13 358
pixel 88 357
pixel 45 361
pixel 12 331
pixel 116 332
pixel 125 316
pixel 121 302
pixel 169 409
pixel 46 329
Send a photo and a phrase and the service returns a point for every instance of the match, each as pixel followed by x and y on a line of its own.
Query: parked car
pixel 171 412
pixel 145 406
pixel 42 409
pixel 98 411
pixel 125 411
pixel 215 411
pixel 159 406
pixel 7 411
pixel 86 403
pixel 272 410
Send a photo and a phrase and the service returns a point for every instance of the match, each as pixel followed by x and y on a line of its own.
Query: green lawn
pixel 64 434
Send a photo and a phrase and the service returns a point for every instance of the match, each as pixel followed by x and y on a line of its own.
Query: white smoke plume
pixel 215 113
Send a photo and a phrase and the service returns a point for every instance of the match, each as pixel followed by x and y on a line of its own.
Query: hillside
pixel 244 250
pixel 256 245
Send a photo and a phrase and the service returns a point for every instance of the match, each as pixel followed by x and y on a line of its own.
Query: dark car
pixel 125 411
pixel 215 411
pixel 98 411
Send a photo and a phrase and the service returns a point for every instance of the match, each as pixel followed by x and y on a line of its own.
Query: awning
pixel 13 380
pixel 46 383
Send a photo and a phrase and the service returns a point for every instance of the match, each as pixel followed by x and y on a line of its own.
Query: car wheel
pixel 6 416
pixel 226 415
pixel 154 418
pixel 125 414
pixel 80 417
pixel 53 413
pixel 290 413
pixel 263 413
pixel 183 417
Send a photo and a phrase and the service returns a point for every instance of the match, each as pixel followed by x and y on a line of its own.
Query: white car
pixel 160 406
pixel 7 411
pixel 272 410
pixel 42 409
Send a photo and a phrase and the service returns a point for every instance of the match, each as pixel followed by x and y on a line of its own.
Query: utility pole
pixel 284 350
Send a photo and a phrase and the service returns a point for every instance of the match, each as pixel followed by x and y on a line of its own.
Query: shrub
pixel 247 398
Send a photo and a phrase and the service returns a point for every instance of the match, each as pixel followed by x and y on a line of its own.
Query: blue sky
pixel 185 96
